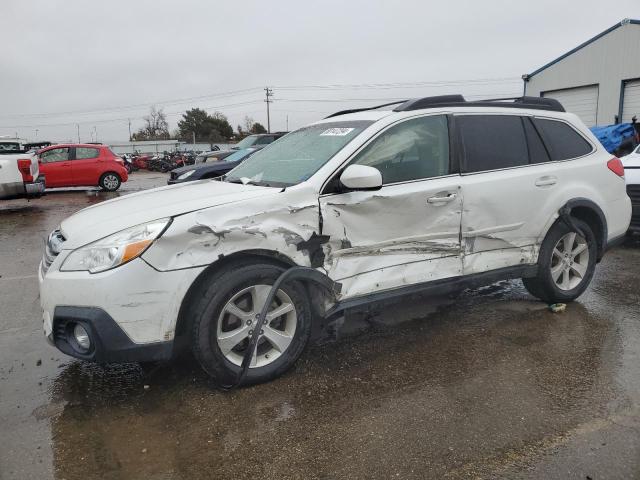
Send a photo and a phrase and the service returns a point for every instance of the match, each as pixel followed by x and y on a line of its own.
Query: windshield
pixel 246 142
pixel 298 155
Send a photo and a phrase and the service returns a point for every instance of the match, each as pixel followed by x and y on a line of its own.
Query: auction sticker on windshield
pixel 336 132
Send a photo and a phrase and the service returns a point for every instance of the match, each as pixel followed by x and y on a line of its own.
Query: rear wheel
pixel 110 181
pixel 226 313
pixel 566 263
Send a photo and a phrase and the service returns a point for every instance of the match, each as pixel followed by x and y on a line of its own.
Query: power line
pixel 245 91
pixel 139 105
pixel 109 120
pixel 380 99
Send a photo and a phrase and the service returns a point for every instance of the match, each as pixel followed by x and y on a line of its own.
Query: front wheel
pixel 566 263
pixel 226 313
pixel 110 182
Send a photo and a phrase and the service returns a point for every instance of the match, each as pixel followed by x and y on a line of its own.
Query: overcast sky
pixel 100 63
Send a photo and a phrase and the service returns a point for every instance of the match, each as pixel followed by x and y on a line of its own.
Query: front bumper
pixel 131 311
pixel 108 342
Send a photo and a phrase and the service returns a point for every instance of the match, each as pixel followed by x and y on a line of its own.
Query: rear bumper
pixel 635 219
pixel 23 190
pixel 109 343
pixel 633 190
pixel 35 189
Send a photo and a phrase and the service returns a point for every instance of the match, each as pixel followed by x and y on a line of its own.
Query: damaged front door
pixel 407 232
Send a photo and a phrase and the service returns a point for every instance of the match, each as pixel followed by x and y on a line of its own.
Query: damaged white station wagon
pixel 436 194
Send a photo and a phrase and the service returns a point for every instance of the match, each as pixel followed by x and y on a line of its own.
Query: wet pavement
pixel 484 384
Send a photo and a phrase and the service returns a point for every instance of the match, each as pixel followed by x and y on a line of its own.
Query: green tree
pixel 213 128
pixel 258 128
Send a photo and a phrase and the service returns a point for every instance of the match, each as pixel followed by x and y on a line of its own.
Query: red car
pixel 82 165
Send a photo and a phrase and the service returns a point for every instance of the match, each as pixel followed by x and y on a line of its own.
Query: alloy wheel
pixel 240 314
pixel 570 261
pixel 110 182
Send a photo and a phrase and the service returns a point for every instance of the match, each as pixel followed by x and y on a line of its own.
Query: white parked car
pixel 19 171
pixel 632 174
pixel 437 194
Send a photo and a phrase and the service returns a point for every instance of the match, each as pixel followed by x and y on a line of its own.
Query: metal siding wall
pixel 606 62
pixel 631 101
pixel 583 101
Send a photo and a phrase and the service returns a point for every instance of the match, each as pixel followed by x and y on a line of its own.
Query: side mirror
pixel 361 177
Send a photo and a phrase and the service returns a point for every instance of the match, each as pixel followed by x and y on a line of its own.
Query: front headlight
pixel 186 175
pixel 114 250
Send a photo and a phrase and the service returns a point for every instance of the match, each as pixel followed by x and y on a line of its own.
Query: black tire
pixel 110 181
pixel 206 312
pixel 542 285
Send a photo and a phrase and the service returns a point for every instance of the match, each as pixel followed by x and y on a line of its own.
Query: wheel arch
pixel 589 212
pixel 223 264
pixel 107 172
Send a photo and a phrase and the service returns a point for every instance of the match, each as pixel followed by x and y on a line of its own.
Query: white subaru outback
pixel 436 194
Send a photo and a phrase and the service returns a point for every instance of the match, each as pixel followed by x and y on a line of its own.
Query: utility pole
pixel 95 131
pixel 268 93
pixel 287 123
pixel 36 134
pixel 129 129
pixel 194 139
pixel 78 127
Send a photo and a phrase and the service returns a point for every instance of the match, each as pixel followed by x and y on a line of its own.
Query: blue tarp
pixel 612 136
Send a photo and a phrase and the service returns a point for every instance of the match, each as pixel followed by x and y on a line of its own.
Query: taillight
pixel 616 166
pixel 24 165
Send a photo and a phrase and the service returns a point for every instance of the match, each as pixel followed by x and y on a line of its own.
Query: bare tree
pixel 156 126
pixel 248 123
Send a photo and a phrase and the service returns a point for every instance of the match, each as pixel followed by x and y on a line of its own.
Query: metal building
pixel 598 80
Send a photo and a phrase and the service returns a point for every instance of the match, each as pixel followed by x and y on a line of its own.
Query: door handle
pixel 546 181
pixel 442 199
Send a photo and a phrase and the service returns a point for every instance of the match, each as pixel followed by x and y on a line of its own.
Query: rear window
pixel 83 153
pixel 11 147
pixel 562 141
pixel 492 142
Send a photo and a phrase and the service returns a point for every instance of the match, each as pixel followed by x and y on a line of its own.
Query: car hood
pixel 221 166
pixel 106 218
pixel 176 172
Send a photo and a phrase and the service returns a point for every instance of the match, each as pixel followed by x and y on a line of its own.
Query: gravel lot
pixel 486 384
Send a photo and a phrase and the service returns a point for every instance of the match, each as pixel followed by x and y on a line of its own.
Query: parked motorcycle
pixel 129 163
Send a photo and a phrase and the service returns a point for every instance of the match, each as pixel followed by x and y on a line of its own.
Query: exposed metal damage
pixel 364 240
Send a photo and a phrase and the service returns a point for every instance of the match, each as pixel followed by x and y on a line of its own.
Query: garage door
pixel 631 101
pixel 583 101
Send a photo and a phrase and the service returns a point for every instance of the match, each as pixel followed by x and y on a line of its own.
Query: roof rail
pixel 355 110
pixel 536 103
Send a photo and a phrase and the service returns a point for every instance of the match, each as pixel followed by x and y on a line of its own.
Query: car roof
pixel 449 103
pixel 82 145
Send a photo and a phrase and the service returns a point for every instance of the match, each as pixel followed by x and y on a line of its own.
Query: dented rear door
pixel 407 232
pixel 509 189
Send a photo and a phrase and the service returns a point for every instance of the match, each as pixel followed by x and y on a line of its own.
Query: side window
pixel 55 155
pixel 537 151
pixel 562 141
pixel 411 150
pixel 492 142
pixel 83 153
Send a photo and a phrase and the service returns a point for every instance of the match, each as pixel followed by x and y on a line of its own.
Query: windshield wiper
pixel 244 182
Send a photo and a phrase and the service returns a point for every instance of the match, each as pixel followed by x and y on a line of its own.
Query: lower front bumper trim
pixel 109 343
